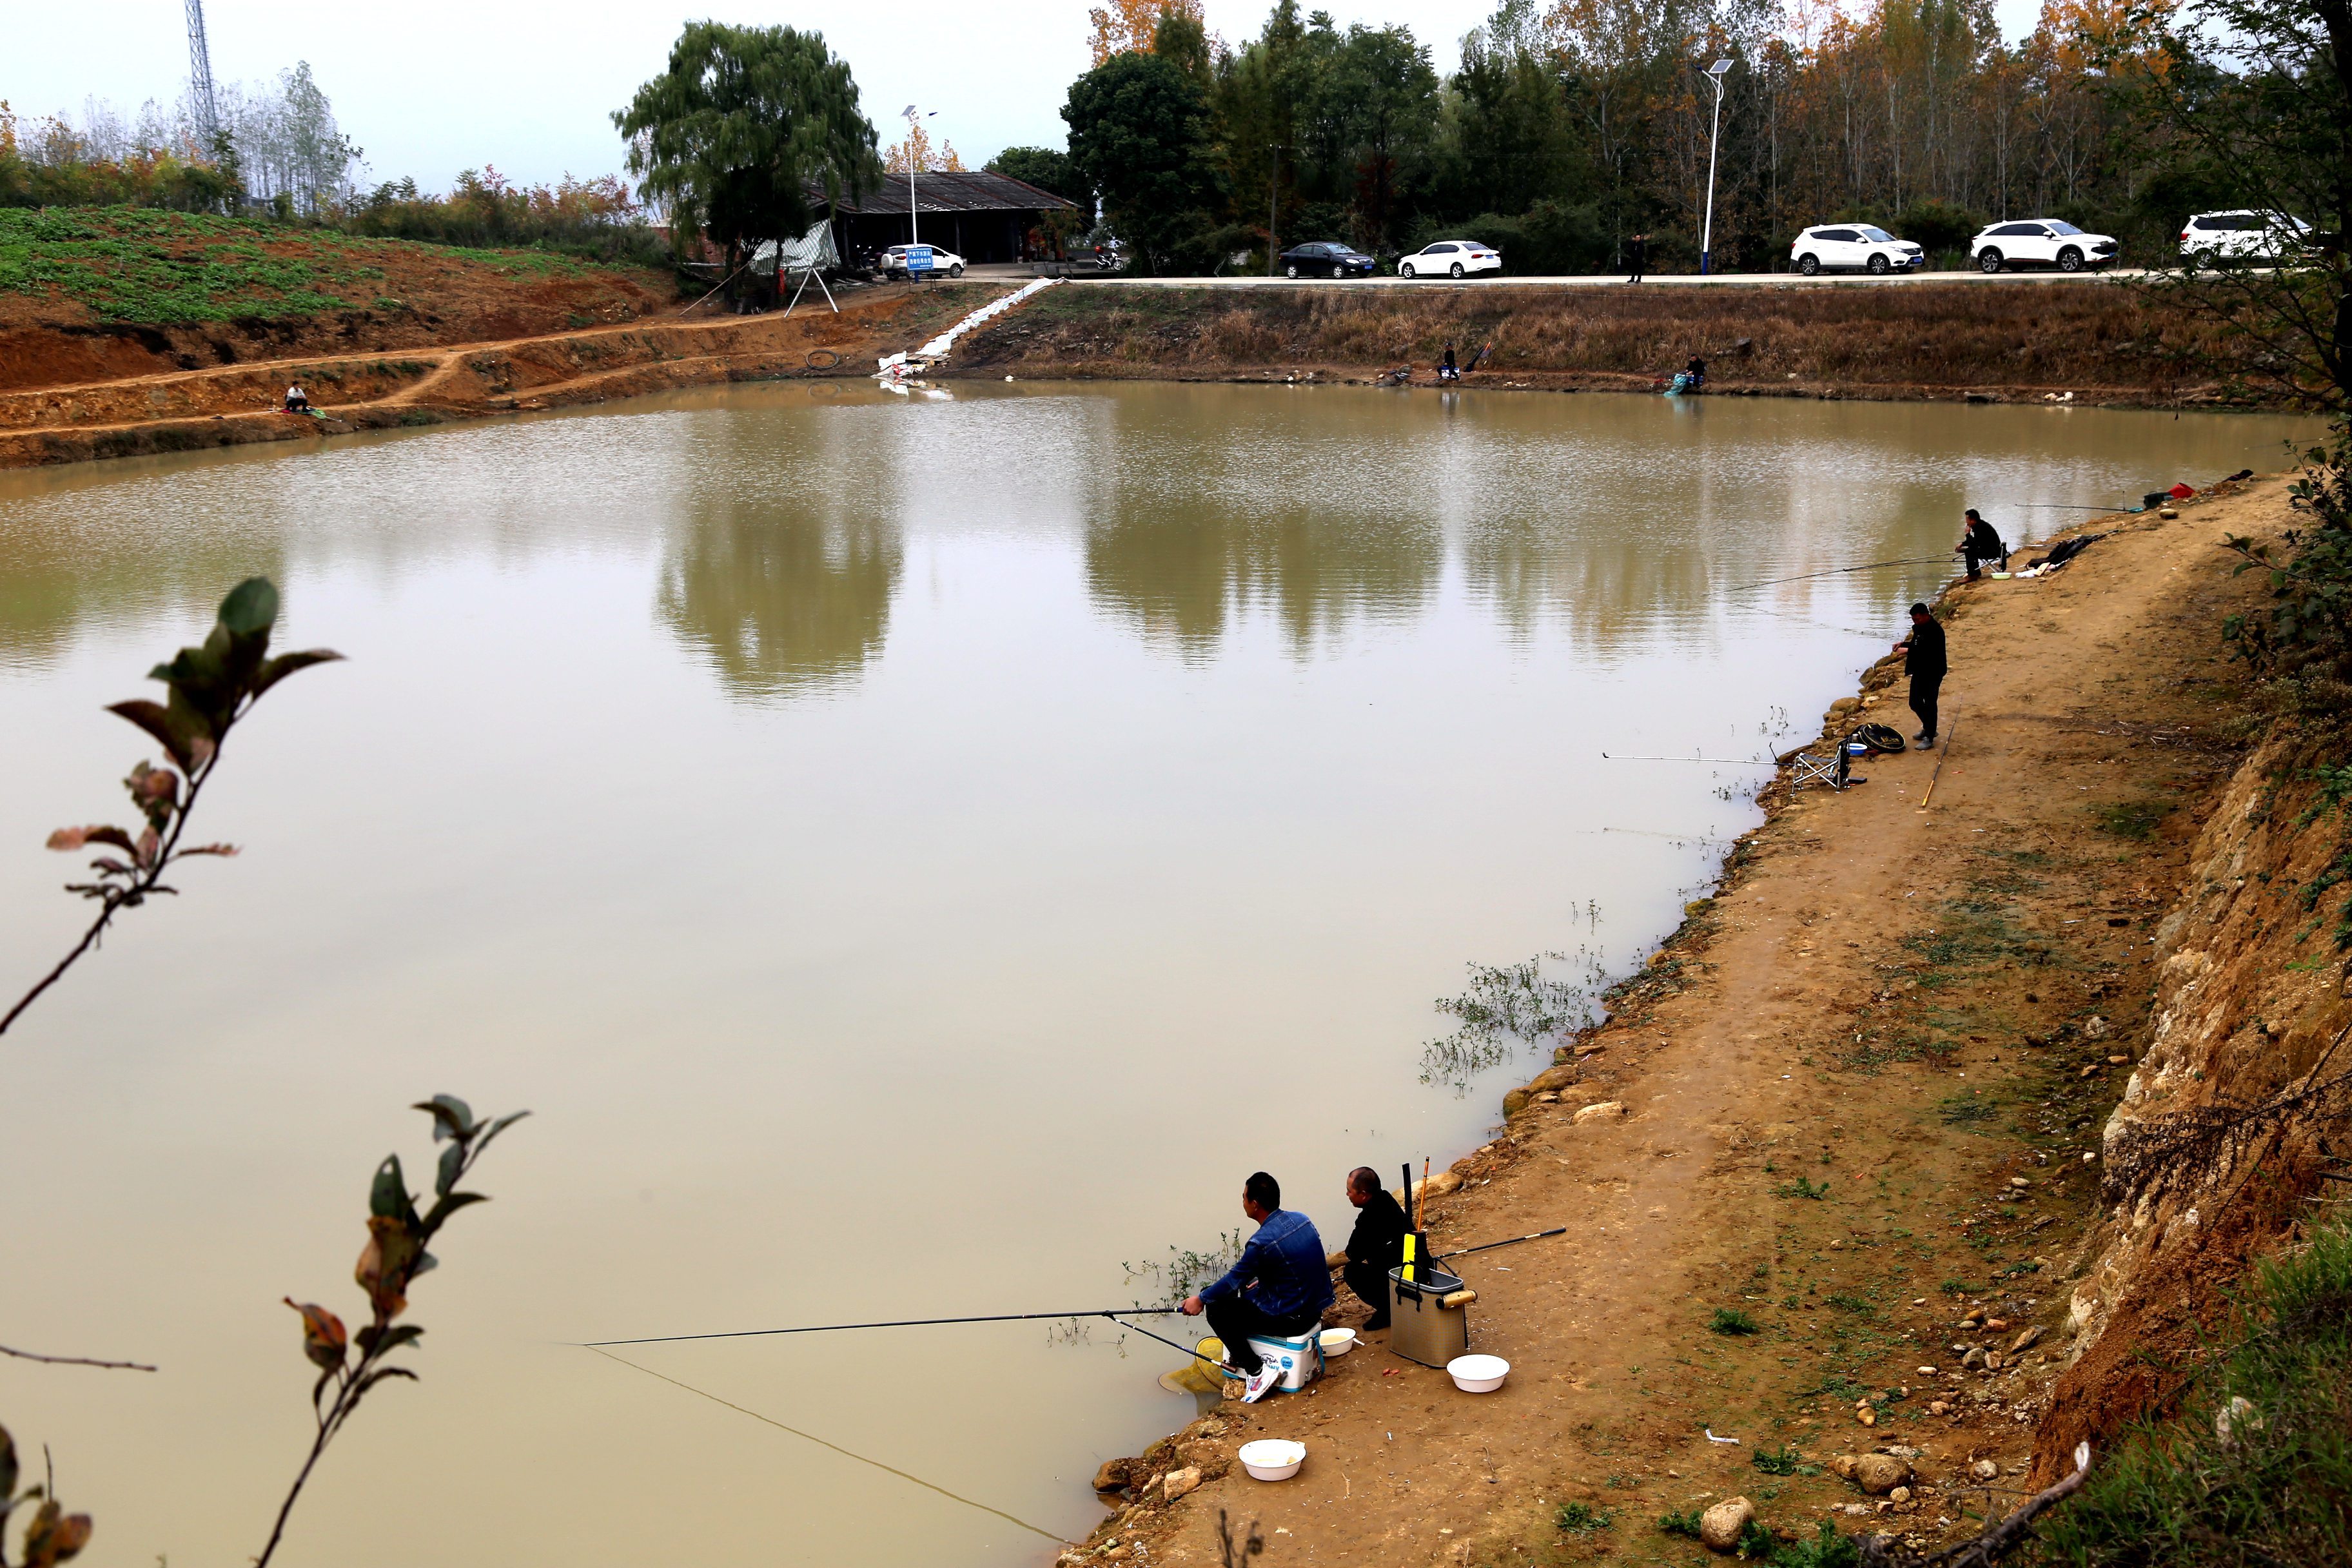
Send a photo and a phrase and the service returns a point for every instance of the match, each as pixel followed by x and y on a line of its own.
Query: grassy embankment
pixel 2102 340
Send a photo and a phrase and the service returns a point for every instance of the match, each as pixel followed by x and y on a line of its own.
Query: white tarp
pixel 939 348
pixel 807 254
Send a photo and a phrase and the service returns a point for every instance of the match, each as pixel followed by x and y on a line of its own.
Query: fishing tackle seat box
pixel 1300 1356
pixel 1422 1327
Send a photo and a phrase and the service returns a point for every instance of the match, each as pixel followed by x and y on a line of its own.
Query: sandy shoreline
pixel 1857 1088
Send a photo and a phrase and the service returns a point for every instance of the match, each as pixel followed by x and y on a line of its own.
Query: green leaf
pixel 452 1117
pixel 285 664
pixel 442 1209
pixel 388 1198
pixel 371 1342
pixel 160 722
pixel 453 1162
pixel 250 607
pixel 500 1125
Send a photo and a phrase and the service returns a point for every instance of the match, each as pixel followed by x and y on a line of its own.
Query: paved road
pixel 1664 281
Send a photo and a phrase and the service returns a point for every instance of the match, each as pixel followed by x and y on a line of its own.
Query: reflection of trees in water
pixel 48 596
pixel 1180 578
pixel 782 602
pixel 1602 584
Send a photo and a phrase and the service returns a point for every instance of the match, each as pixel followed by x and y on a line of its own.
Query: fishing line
pixel 1113 1313
pixel 1837 571
pixel 845 1452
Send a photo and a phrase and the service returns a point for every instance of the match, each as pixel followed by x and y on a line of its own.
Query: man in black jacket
pixel 1924 662
pixel 1980 542
pixel 1375 1245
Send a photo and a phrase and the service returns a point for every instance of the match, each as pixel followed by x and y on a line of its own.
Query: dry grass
pixel 2096 337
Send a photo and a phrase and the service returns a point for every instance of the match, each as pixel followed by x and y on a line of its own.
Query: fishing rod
pixel 1113 1313
pixel 1837 571
pixel 1511 1241
pixel 1733 761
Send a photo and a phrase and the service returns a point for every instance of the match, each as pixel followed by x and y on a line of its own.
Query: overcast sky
pixel 430 87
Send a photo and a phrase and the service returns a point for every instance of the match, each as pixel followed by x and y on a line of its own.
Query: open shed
pixel 980 216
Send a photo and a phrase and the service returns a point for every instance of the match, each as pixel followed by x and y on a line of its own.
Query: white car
pixel 2209 239
pixel 1854 245
pixel 1451 258
pixel 2040 242
pixel 909 261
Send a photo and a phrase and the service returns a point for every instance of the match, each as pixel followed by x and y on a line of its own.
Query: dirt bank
pixel 2104 342
pixel 449 376
pixel 1865 1097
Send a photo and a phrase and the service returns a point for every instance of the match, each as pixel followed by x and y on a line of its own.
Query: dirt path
pixel 1830 1079
pixel 235 404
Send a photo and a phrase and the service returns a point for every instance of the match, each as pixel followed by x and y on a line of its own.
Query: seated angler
pixel 1278 1288
pixel 1375 1245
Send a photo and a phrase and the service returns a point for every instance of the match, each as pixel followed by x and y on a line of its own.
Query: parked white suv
pixel 1450 259
pixel 2209 239
pixel 2040 242
pixel 1854 245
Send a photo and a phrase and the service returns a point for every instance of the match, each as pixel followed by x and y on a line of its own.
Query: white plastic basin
pixel 1338 1342
pixel 1478 1374
pixel 1273 1459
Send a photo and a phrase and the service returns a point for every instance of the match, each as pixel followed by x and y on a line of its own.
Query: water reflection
pixel 1181 578
pixel 780 602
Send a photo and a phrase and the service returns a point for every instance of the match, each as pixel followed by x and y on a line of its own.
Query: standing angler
pixel 1924 662
pixel 1279 1287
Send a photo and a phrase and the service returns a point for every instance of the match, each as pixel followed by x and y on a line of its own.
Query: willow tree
pixel 746 129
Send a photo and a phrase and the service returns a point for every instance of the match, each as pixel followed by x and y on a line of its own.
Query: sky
pixel 429 87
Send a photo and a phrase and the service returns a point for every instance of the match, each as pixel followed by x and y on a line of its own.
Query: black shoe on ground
pixel 1376 1322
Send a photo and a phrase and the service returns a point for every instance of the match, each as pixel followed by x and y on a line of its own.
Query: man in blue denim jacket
pixel 1279 1287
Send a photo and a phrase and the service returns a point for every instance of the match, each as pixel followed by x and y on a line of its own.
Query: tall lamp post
pixel 915 123
pixel 1273 201
pixel 1714 74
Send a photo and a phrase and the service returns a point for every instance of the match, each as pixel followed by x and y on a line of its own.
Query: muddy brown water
pixel 913 855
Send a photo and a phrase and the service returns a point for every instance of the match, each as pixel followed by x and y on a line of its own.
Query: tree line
pixel 1568 128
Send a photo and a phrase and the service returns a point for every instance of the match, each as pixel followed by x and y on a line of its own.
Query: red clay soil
pixel 1849 1101
pixel 109 398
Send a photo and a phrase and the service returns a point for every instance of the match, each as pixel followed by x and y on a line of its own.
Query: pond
pixel 915 856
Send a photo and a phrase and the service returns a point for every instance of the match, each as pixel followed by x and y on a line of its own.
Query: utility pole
pixel 914 125
pixel 200 100
pixel 1714 74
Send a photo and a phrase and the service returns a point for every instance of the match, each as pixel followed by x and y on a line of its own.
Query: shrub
pixel 1581 1518
pixel 1781 1461
pixel 1685 1524
pixel 1732 1321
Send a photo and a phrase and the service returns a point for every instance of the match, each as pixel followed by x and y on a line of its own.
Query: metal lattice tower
pixel 201 101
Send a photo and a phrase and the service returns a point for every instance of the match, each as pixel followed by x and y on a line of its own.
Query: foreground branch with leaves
pixel 394 1256
pixel 212 687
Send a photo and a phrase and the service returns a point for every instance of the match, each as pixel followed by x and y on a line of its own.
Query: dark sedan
pixel 1327 259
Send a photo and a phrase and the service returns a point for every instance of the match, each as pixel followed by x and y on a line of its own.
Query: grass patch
pixel 1732 1321
pixel 1827 1549
pixel 1781 1461
pixel 1685 1524
pixel 1581 1518
pixel 2134 819
pixel 1967 1110
pixel 2278 1489
pixel 1801 1188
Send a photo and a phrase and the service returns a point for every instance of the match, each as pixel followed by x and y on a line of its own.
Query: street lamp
pixel 914 123
pixel 1714 73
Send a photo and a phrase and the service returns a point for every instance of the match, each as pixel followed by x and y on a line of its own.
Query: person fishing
pixel 1375 1245
pixel 1449 370
pixel 1980 542
pixel 1696 371
pixel 1924 661
pixel 297 400
pixel 1279 1288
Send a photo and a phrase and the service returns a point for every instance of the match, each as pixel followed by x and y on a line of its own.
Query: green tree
pixel 746 127
pixel 1140 132
pixel 1383 91
pixel 1044 168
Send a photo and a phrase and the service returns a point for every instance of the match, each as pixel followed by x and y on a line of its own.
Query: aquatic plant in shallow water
pixel 1509 1008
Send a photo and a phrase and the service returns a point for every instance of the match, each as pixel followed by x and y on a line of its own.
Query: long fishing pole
pixel 1511 1241
pixel 1838 571
pixel 932 1321
pixel 1733 761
